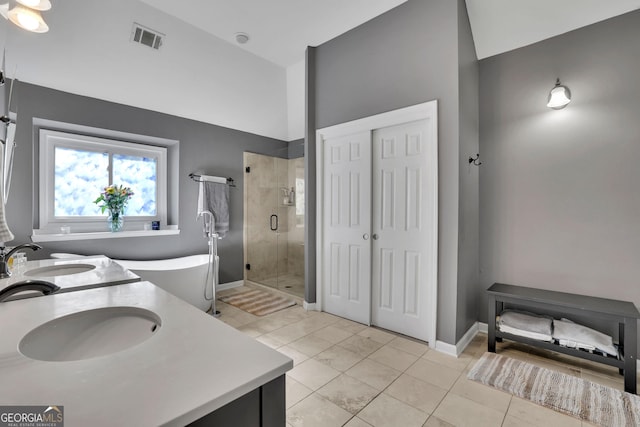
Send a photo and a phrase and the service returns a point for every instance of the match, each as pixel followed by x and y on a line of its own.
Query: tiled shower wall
pixel 272 254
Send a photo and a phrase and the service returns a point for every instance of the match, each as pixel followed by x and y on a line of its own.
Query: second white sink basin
pixel 88 334
pixel 59 270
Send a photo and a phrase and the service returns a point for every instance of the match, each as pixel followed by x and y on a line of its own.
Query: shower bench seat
pixel 624 313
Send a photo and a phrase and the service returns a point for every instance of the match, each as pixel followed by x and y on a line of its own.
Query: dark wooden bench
pixel 624 313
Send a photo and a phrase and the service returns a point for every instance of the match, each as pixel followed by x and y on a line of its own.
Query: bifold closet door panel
pixel 347 226
pixel 399 247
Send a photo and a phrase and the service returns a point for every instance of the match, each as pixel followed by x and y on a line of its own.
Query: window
pixel 74 169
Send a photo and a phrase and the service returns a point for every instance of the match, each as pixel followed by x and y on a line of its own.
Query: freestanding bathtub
pixel 184 277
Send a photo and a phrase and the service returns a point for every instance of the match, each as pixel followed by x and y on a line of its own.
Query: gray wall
pixel 560 204
pixel 310 176
pixel 295 149
pixel 203 147
pixel 469 205
pixel 406 56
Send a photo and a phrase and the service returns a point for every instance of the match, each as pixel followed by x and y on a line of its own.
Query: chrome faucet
pixel 4 257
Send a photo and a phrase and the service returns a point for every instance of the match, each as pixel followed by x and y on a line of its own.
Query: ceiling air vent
pixel 146 36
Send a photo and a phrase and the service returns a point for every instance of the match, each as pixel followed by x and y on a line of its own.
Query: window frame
pixel 50 139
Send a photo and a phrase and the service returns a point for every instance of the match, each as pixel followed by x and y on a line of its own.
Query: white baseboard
pixel 309 306
pixel 446 348
pixel 229 285
pixel 456 350
pixel 467 338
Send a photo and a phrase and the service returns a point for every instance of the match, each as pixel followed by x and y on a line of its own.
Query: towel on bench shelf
pixel 579 336
pixel 526 324
pixel 526 334
pixel 578 345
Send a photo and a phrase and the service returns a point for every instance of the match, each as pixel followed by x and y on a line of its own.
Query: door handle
pixel 273 222
pixel 375 236
pixel 365 236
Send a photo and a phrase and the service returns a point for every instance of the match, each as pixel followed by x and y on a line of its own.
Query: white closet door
pixel 400 258
pixel 347 225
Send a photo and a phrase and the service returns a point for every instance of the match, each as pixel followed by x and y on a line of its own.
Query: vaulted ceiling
pixel 280 30
pixel 202 73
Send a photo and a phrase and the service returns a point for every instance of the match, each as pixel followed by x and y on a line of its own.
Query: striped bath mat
pixel 574 396
pixel 257 302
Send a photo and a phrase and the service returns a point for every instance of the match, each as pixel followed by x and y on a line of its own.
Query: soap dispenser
pixel 292 196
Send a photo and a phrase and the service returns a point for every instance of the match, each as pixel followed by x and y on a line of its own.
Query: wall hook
pixel 475 161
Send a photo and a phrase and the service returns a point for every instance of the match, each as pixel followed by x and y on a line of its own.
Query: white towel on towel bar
pixel 209 178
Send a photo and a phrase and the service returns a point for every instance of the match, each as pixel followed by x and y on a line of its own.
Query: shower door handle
pixel 273 222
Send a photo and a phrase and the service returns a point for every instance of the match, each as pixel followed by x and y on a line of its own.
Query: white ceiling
pixel 502 25
pixel 280 30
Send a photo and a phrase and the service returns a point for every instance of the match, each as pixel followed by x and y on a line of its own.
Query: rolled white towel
pixel 526 334
pixel 525 321
pixel 578 345
pixel 566 330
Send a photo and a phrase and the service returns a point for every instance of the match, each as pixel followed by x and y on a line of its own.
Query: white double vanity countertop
pixel 100 271
pixel 191 365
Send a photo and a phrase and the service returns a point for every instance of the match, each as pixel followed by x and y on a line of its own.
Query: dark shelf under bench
pixel 624 313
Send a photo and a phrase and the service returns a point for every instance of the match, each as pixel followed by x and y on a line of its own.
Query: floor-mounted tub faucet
pixel 4 257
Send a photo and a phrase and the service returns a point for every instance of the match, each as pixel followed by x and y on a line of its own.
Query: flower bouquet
pixel 114 198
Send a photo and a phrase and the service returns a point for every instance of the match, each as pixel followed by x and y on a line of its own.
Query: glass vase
pixel 115 220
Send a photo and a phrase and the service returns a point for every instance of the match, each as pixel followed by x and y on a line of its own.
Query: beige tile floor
pixel 347 374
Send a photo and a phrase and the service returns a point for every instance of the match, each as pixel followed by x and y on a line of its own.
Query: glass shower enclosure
pixel 274 221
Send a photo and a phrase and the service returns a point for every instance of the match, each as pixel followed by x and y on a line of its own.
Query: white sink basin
pixel 88 334
pixel 59 270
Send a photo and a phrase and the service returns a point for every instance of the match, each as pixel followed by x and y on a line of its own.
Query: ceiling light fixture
pixel 26 14
pixel 559 97
pixel 242 38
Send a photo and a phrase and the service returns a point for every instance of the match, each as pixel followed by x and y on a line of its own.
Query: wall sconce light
pixel 36 4
pixel 559 97
pixel 26 14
